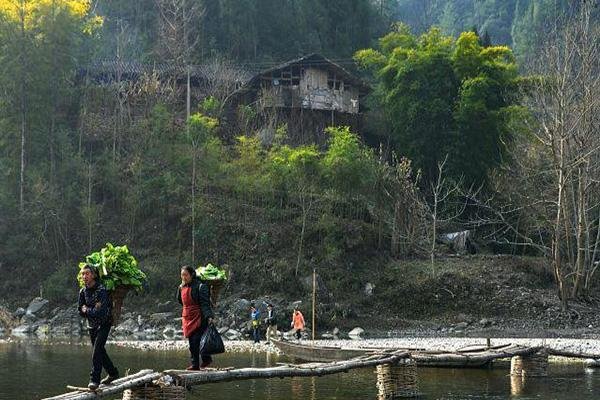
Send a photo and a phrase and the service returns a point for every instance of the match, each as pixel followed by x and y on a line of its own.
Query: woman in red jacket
pixel 197 314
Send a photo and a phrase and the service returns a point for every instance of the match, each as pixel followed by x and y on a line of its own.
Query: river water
pixel 33 371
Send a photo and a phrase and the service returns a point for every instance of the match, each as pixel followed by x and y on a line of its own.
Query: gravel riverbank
pixel 440 343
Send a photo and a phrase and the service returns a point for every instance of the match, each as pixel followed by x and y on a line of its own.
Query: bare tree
pixel 179 25
pixel 220 79
pixel 565 103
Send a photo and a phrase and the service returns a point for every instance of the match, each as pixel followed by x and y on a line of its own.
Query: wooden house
pixel 308 94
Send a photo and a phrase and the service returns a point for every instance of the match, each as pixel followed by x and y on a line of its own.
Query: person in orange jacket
pixel 298 322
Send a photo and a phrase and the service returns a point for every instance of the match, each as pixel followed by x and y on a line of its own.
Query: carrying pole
pixel 314 299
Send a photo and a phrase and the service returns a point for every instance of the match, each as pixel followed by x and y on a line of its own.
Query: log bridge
pixel 396 371
pixel 173 384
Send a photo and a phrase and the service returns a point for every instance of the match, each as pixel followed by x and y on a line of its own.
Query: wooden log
pixel 461 359
pixel 572 354
pixel 303 370
pixel 139 379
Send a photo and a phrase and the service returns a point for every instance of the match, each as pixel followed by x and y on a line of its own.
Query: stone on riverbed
pixel 128 326
pixel 37 305
pixel 232 334
pixel 356 333
pixel 19 312
pixel 23 329
pixel 169 330
pixel 222 330
pixel 160 318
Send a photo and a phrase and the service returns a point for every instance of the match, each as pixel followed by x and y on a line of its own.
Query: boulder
pixel 222 330
pixel 169 330
pixel 165 307
pixel 19 312
pixel 356 333
pixel 37 305
pixel 232 334
pixel 461 326
pixel 28 318
pixel 127 326
pixel 241 306
pixel 23 329
pixel 335 331
pixel 161 318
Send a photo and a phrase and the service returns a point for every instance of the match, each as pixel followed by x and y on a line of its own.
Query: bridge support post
pixel 397 381
pixel 155 393
pixel 534 365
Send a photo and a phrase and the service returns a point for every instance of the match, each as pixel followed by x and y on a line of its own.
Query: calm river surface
pixel 32 371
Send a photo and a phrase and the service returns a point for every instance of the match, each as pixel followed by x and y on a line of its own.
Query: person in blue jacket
pixel 96 307
pixel 255 318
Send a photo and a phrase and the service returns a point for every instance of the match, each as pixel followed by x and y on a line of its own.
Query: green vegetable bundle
pixel 116 267
pixel 211 273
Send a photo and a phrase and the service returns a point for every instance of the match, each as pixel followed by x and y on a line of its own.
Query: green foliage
pixel 200 128
pixel 210 105
pixel 348 165
pixel 116 267
pixel 444 97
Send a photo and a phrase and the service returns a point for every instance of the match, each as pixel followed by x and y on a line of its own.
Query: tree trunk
pixel 556 243
pixel 580 238
pixel 304 213
pixel 193 203
pixel 23 109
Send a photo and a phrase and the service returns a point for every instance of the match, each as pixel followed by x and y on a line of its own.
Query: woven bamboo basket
pixel 531 365
pixel 215 289
pixel 155 393
pixel 117 297
pixel 397 381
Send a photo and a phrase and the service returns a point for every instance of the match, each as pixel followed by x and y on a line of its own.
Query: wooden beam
pixel 287 371
pixel 139 379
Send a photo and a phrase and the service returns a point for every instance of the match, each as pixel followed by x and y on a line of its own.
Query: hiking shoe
pixel 205 364
pixel 192 368
pixel 93 385
pixel 109 379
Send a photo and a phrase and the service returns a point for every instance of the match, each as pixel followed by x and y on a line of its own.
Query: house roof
pixel 109 70
pixel 315 60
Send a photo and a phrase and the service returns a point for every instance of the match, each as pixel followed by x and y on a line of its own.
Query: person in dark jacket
pixel 96 307
pixel 271 323
pixel 197 314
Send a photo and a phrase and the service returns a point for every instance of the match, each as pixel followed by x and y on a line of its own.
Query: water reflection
pixel 517 385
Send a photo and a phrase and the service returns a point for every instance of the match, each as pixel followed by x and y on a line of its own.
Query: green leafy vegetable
pixel 116 266
pixel 211 273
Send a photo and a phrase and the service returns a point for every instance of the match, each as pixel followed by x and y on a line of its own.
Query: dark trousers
pixel 298 333
pixel 100 358
pixel 194 342
pixel 255 334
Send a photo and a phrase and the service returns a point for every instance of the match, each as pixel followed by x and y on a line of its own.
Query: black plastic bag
pixel 211 342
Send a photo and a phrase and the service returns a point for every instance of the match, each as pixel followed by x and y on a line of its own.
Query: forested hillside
pixel 520 24
pixel 459 132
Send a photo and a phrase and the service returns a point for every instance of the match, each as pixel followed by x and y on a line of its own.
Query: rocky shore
pixel 159 324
